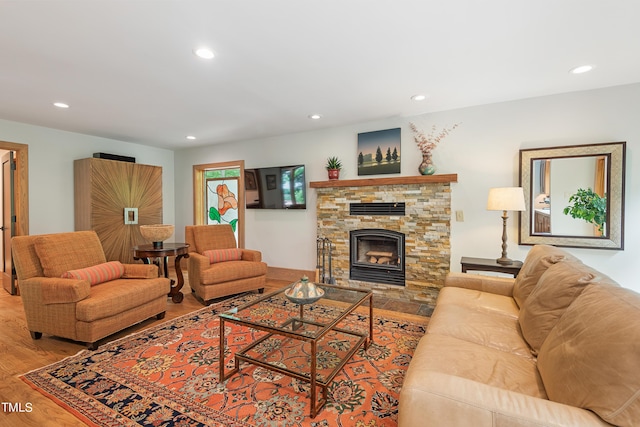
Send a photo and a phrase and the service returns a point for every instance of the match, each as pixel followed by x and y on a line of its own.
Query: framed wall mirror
pixel 574 196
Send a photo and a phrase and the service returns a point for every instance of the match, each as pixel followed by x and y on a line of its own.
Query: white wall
pixel 51 156
pixel 483 151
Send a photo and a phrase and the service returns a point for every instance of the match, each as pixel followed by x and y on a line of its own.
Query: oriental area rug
pixel 167 375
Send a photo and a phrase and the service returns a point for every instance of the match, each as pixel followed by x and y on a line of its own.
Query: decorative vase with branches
pixel 426 145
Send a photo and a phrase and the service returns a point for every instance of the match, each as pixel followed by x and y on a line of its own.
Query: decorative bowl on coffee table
pixel 304 292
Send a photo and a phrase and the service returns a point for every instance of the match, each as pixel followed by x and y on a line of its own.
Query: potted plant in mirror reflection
pixel 589 206
pixel 333 167
pixel 427 143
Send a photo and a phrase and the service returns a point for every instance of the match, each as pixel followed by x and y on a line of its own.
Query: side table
pixel 179 250
pixel 489 264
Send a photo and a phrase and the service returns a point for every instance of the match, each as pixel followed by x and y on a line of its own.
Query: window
pixel 222 196
pixel 293 183
pixel 219 196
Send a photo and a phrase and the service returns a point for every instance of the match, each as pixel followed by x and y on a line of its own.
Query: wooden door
pixel 9 221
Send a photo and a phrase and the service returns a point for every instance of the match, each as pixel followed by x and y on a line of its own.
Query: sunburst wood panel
pixel 104 188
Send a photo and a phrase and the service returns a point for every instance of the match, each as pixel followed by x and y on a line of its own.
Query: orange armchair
pixel 69 290
pixel 217 267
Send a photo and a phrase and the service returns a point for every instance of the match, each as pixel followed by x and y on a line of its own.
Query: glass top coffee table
pixel 304 331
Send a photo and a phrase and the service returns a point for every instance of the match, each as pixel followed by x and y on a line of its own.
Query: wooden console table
pixel 178 250
pixel 490 264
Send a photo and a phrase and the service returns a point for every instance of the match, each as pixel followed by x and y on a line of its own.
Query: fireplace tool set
pixel 324 253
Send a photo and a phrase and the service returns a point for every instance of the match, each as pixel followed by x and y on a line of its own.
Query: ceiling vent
pixel 387 209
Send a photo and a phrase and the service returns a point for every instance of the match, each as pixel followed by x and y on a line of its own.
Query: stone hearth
pixel 426 225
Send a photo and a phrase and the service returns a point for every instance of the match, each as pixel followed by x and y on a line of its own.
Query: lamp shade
pixel 506 199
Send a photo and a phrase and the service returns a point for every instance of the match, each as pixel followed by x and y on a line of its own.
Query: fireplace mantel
pixel 418 179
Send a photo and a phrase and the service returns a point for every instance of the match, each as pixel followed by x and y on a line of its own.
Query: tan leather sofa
pixel 557 346
pixel 218 279
pixel 74 308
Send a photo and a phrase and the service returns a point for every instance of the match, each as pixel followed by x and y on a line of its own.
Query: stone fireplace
pixel 425 226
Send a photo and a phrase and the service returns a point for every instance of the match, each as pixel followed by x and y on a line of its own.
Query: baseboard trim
pixel 288 274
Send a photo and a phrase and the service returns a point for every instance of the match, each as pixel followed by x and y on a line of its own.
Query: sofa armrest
pixel 251 255
pixel 445 400
pixel 491 284
pixel 199 262
pixel 54 290
pixel 140 271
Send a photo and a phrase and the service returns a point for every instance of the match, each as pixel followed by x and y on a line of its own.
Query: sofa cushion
pixel 590 359
pixel 430 398
pixel 117 296
pixel 97 273
pixel 232 270
pixel 557 288
pixel 208 237
pixel 490 329
pixel 538 260
pixel 486 284
pixel 222 255
pixel 453 356
pixel 478 300
pixel 62 252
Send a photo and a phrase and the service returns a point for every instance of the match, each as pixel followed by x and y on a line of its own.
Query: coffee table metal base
pixel 362 339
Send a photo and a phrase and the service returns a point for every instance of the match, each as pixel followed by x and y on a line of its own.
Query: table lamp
pixel 505 199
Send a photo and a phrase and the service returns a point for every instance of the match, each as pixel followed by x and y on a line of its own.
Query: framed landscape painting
pixel 379 152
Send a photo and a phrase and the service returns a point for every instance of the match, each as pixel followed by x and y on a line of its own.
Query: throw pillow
pixel 538 260
pixel 222 255
pixel 557 289
pixel 98 273
pixel 590 359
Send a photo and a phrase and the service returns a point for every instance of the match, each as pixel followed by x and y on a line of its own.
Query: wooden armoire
pixel 105 190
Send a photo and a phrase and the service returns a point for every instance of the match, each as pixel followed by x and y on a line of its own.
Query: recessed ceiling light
pixel 581 69
pixel 191 137
pixel 315 116
pixel 418 97
pixel 204 52
pixel 61 105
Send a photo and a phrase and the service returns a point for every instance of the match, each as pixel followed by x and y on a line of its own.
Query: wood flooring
pixel 19 354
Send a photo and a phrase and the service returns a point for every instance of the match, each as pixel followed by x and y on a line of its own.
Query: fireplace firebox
pixel 377 256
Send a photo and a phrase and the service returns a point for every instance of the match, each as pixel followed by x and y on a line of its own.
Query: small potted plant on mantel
pixel 333 167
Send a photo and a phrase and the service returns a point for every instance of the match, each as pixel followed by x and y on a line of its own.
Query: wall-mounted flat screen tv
pixel 282 187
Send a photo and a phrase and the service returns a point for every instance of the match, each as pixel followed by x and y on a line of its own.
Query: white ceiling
pixel 128 71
